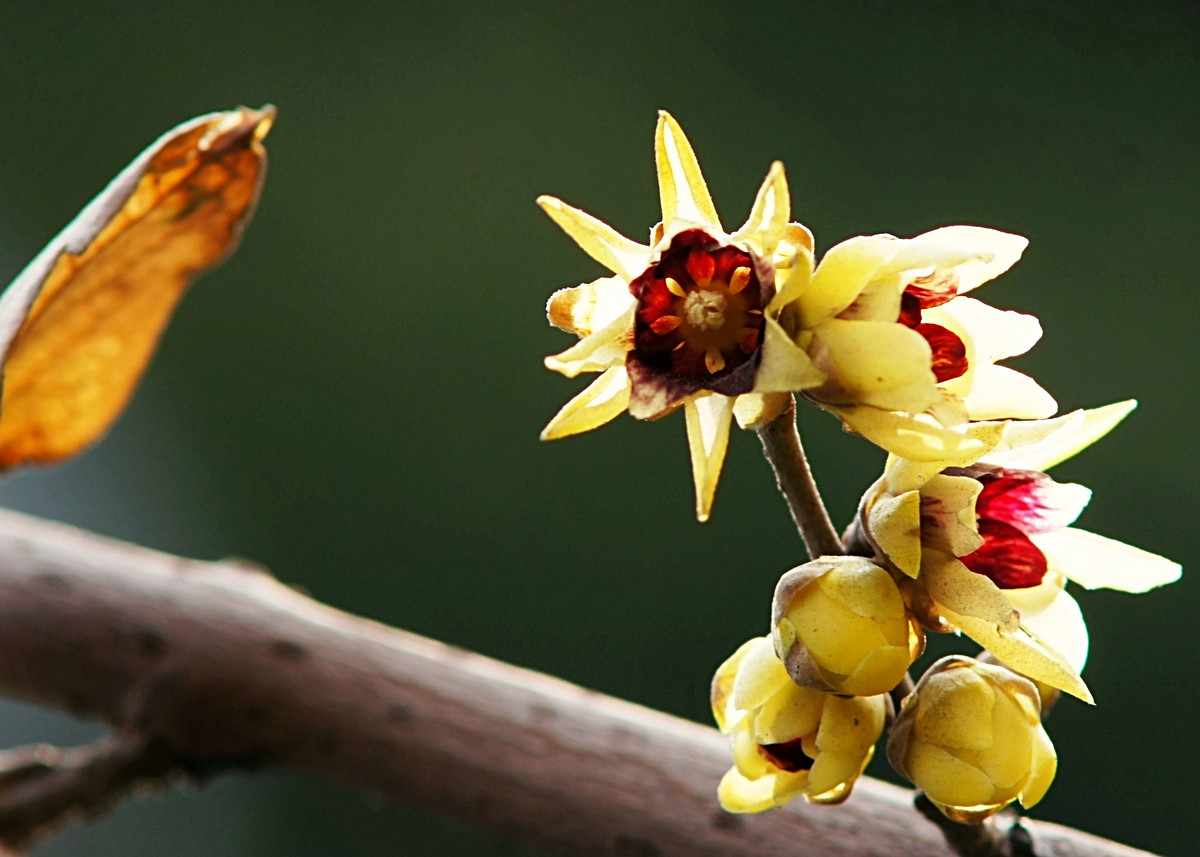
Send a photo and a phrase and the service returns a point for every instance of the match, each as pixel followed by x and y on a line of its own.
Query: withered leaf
pixel 80 323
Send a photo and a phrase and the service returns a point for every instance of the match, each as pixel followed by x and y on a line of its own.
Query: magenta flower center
pixel 700 309
pixel 1009 509
pixel 949 351
pixel 787 756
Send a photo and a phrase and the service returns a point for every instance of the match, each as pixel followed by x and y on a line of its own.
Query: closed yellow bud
pixel 971 737
pixel 839 624
pixel 789 740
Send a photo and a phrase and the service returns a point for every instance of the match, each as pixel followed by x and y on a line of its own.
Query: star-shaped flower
pixel 689 319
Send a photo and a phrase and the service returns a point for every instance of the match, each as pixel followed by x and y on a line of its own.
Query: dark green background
pixel 354 399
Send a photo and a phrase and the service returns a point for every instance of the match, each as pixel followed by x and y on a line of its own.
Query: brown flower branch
pixel 201 666
pixel 781 445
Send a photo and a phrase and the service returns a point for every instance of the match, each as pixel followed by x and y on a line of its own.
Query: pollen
pixel 705 310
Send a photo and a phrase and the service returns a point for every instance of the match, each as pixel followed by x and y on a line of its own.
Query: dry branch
pixel 201 666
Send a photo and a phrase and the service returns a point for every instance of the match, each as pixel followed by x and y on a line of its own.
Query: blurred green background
pixel 354 398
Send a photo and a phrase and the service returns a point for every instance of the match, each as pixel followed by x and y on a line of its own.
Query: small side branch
pixel 781 445
pixel 218 664
pixel 43 787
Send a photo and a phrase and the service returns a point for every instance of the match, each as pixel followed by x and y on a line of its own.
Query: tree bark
pixel 217 664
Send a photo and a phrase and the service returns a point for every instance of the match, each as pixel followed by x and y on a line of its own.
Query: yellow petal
pixel 708 418
pixel 881 364
pixel 991 334
pixel 769 215
pixel 946 778
pixel 845 270
pixel 1043 768
pixel 998 392
pixel 1023 653
pixel 625 258
pixel 792 712
pixel 721 695
pixel 784 366
pixel 793 266
pixel 917 437
pixel 755 410
pixel 760 675
pixel 994 251
pixel 1041 444
pixel 954 710
pixel 1095 562
pixel 739 794
pixel 1059 626
pixel 600 401
pixel 602 350
pixel 895 525
pixel 584 309
pixel 681 186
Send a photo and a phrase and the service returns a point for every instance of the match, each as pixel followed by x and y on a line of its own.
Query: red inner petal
pixel 787 756
pixel 934 289
pixel 949 352
pixel 1008 558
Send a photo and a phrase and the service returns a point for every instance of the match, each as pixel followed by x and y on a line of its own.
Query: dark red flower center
pixel 1009 509
pixel 949 352
pixel 787 756
pixel 700 309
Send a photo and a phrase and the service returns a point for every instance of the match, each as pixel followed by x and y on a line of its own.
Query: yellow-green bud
pixel 789 740
pixel 839 624
pixel 971 737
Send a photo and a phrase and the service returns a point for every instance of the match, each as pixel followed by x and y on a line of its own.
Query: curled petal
pixel 917 437
pixel 992 252
pixel 784 366
pixel 793 265
pixel 755 410
pixel 1024 653
pixel 1059 626
pixel 708 418
pixel 997 392
pixel 879 364
pixel 770 214
pixel 584 309
pixel 600 401
pixel 895 525
pixel 993 333
pixel 601 350
pixel 1041 444
pixel 1095 562
pixel 845 270
pixel 958 589
pixel 681 186
pixel 610 248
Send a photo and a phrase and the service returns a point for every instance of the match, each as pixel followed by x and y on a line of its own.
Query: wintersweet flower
pixel 908 359
pixel 989 546
pixel 789 740
pixel 970 736
pixel 689 319
pixel 839 624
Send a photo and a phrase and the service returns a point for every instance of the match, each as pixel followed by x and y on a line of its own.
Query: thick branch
pixel 781 445
pixel 219 664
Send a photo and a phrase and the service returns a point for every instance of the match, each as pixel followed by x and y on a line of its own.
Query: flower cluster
pixel 964 533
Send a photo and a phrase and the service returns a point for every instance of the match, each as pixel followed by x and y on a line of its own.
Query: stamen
pixel 674 288
pixel 714 360
pixel 739 280
pixel 681 345
pixel 665 324
pixel 705 310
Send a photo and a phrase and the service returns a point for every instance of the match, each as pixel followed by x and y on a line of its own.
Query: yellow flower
pixel 908 360
pixel 989 547
pixel 689 319
pixel 839 624
pixel 971 737
pixel 789 740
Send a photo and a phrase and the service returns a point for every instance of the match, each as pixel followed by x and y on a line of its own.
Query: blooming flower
pixel 689 319
pixel 908 360
pixel 839 624
pixel 989 547
pixel 789 740
pixel 970 736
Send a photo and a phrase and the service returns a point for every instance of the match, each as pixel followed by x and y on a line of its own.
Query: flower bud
pixel 840 625
pixel 789 740
pixel 971 737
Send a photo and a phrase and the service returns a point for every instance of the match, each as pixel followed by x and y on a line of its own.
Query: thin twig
pixel 219 664
pixel 781 445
